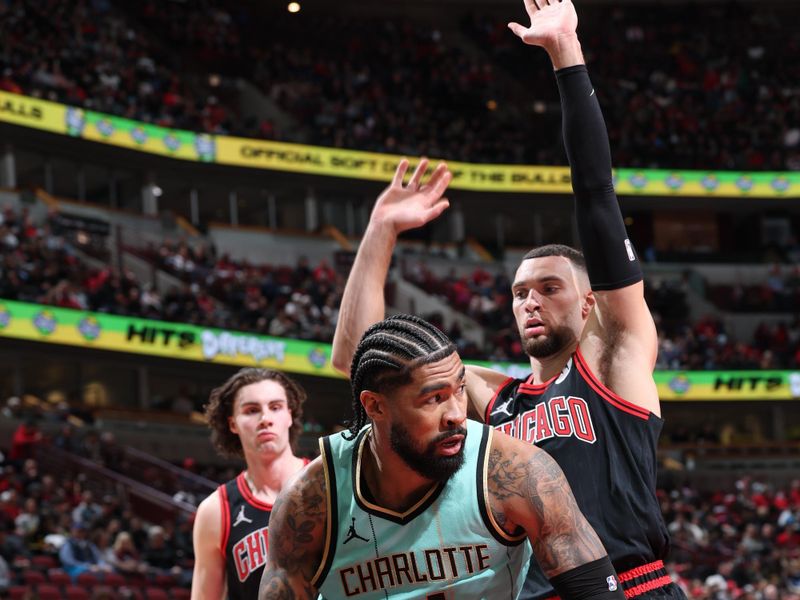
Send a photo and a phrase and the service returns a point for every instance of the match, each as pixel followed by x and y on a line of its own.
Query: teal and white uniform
pixel 446 546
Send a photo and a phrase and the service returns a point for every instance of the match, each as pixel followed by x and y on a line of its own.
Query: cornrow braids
pixel 387 354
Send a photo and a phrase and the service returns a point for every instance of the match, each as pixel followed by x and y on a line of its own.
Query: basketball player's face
pixel 548 304
pixel 261 418
pixel 428 429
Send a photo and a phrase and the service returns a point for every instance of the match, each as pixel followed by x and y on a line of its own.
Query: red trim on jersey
pixel 648 586
pixel 607 394
pixel 640 571
pixel 490 406
pixel 536 388
pixel 241 483
pixel 226 518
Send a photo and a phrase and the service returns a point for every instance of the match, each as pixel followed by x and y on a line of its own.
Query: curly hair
pixel 220 407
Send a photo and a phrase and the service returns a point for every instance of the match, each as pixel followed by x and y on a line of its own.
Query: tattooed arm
pixel 528 490
pixel 297 528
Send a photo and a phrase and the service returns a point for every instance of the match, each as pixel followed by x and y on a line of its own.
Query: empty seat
pixel 44 562
pixel 31 577
pixel 17 592
pixel 48 591
pixel 76 592
pixel 154 593
pixel 87 579
pixel 58 577
pixel 164 581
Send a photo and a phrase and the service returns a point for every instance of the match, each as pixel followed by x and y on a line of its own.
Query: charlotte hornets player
pixel 419 502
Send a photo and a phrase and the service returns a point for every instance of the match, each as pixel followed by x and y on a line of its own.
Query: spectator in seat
pixel 27 523
pixel 123 556
pixel 24 440
pixel 158 554
pixel 87 512
pixel 5 576
pixel 79 555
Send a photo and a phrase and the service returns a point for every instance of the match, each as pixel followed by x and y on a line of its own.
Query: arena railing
pixel 147 502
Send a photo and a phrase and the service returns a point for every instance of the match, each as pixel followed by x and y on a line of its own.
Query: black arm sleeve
pixel 596 580
pixel 610 258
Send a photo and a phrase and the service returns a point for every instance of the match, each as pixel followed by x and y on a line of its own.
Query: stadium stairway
pixel 156 489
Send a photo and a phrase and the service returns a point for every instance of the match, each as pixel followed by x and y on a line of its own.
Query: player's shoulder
pixel 482 386
pixel 208 518
pixel 488 376
pixel 506 447
pixel 308 485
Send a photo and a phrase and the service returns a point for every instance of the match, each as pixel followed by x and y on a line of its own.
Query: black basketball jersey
pixel 606 447
pixel 245 539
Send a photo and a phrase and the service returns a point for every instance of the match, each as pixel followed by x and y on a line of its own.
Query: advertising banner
pixel 35 322
pixel 143 137
pixel 32 112
pixel 702 385
pixel 720 184
pixel 372 166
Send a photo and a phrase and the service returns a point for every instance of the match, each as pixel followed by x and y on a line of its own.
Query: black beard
pixel 427 463
pixel 553 343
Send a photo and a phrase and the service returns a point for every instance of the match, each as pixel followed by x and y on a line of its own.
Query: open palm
pixel 550 20
pixel 404 207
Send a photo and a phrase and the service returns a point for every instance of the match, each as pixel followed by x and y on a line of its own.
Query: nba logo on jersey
pixel 612 583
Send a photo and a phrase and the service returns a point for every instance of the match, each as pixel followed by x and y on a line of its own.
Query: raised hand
pixel 551 22
pixel 402 207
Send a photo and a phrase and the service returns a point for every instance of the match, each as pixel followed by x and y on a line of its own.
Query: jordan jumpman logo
pixel 240 518
pixel 351 533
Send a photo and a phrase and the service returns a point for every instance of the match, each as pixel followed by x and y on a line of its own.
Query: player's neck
pixel 391 482
pixel 544 369
pixel 266 476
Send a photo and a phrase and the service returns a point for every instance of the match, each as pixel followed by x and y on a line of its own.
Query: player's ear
pixel 587 304
pixel 374 404
pixel 232 426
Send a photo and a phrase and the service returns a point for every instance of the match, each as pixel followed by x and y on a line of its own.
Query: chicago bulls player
pixel 256 414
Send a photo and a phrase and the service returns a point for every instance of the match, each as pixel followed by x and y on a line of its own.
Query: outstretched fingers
pixel 518 29
pixel 400 173
pixel 436 210
pixel 413 184
pixel 438 182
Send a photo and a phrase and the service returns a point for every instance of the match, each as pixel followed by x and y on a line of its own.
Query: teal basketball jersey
pixel 444 547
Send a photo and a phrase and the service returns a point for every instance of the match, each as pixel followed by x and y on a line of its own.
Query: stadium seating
pixel 494 97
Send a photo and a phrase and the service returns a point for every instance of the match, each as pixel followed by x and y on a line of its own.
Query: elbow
pixel 341 362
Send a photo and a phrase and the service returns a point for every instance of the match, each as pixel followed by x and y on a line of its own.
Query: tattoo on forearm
pixel 275 586
pixel 565 539
pixel 297 524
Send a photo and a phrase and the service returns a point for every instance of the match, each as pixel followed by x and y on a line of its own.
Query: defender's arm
pixel 619 341
pixel 400 207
